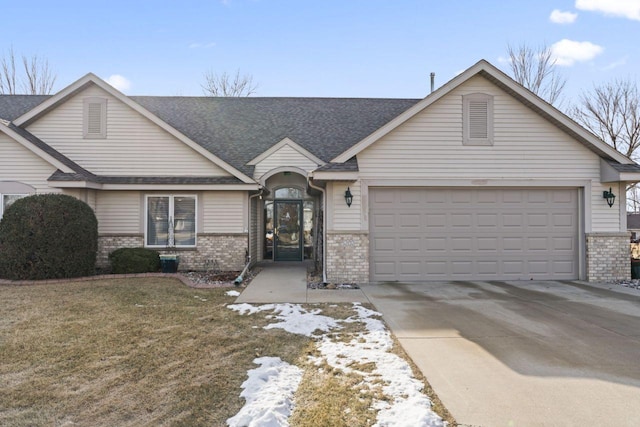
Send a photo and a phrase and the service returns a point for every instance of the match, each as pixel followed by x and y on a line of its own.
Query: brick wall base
pixel 347 257
pixel 225 252
pixel 608 257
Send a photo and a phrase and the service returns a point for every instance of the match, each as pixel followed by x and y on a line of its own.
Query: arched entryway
pixel 290 218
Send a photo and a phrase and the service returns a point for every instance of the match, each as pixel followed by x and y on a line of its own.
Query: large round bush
pixel 48 236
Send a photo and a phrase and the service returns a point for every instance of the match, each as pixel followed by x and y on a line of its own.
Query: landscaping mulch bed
pixel 314 281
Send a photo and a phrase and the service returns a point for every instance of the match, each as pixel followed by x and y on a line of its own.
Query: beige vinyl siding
pixel 224 212
pixel 526 147
pixel 285 156
pixel 119 212
pixel 133 145
pixel 344 218
pixel 19 164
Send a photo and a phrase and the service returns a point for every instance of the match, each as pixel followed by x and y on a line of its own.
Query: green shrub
pixel 134 260
pixel 48 236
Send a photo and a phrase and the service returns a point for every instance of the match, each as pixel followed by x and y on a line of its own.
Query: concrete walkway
pixel 281 282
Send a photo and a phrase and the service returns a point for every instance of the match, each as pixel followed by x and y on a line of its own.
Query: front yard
pixel 151 351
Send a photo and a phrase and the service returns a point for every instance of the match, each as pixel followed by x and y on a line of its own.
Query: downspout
pixel 324 228
pixel 240 278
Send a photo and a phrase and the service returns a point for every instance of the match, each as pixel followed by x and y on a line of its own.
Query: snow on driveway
pixel 405 405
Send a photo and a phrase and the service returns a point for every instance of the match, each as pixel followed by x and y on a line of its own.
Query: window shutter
pixel 478 123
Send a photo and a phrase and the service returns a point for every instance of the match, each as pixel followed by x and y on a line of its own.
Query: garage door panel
pixel 435 221
pixel 506 234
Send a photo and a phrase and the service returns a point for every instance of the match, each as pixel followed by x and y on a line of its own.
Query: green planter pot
pixel 169 263
pixel 635 268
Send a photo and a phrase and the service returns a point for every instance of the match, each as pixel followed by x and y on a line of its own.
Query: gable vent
pixel 95 118
pixel 477 117
pixel 478 123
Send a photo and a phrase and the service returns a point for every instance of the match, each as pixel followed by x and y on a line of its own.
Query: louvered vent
pixel 478 123
pixel 477 112
pixel 94 119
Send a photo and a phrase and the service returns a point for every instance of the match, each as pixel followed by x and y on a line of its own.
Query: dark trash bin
pixel 169 263
pixel 635 268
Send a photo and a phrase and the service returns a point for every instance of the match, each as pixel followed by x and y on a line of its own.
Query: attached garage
pixel 473 234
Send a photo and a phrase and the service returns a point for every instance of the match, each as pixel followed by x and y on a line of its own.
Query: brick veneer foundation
pixel 608 257
pixel 220 251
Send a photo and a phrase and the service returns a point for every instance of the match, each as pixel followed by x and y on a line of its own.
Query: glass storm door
pixel 287 236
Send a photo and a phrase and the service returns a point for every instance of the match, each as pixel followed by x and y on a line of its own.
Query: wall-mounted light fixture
pixel 609 196
pixel 348 197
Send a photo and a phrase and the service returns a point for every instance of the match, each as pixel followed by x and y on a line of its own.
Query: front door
pixel 287 235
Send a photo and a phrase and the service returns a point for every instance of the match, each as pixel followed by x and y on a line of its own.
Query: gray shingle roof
pixel 625 168
pixel 13 106
pixel 350 165
pixel 239 129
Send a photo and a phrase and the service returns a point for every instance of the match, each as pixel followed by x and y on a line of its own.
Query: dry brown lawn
pixel 146 352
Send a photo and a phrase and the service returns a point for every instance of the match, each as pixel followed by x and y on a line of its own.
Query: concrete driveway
pixel 522 353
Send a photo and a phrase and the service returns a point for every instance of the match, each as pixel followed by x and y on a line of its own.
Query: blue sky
pixel 346 48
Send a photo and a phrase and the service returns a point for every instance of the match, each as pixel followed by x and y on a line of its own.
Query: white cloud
pixel 119 82
pixel 568 52
pixel 629 9
pixel 560 17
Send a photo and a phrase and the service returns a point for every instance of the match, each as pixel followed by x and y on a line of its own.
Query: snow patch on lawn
pixel 405 405
pixel 268 392
pixel 232 293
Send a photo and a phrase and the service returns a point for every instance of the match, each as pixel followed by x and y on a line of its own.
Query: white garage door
pixel 473 234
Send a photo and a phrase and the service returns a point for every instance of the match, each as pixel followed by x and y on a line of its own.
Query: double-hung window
pixel 7 200
pixel 170 221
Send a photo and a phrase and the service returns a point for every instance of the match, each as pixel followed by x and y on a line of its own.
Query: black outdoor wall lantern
pixel 609 196
pixel 348 197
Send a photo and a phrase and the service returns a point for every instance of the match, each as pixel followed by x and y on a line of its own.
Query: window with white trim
pixel 477 116
pixel 170 221
pixel 95 118
pixel 7 200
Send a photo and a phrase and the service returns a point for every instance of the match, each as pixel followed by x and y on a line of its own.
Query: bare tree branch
pixel 612 112
pixel 226 85
pixel 38 78
pixel 535 69
pixel 8 73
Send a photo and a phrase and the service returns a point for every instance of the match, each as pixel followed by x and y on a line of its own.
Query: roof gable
pixel 91 79
pixel 286 142
pixel 503 81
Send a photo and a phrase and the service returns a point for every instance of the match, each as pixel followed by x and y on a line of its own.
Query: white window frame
pixel 466 103
pixel 102 134
pixel 2 200
pixel 171 214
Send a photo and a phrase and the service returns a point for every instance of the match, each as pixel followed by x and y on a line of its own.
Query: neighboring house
pixel 480 180
pixel 633 225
